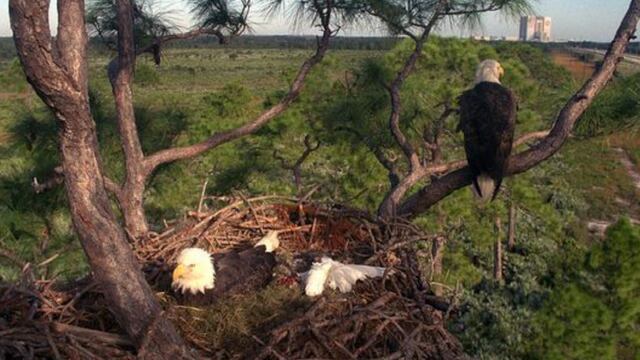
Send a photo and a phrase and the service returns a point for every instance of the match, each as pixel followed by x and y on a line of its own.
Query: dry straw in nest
pixel 383 318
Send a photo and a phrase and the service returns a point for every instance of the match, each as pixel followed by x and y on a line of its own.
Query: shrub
pixel 146 75
pixel 230 101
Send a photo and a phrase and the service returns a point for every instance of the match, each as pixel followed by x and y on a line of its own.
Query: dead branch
pixel 296 167
pixel 53 181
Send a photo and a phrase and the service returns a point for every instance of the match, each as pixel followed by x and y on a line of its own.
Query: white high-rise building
pixel 535 28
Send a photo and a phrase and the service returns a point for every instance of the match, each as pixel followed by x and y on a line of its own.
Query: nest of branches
pixel 393 317
pixel 41 319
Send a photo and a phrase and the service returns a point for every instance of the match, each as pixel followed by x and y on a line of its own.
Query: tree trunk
pixel 497 252
pixel 513 218
pixel 132 206
pixel 121 71
pixel 114 266
pixel 59 75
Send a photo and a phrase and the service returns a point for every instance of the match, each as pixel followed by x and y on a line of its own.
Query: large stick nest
pixel 383 318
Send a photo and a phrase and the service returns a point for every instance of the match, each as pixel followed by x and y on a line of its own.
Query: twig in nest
pixel 104 337
pixel 202 194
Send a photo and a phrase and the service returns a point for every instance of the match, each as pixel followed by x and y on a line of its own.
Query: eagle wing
pixel 235 272
pixel 487 120
pixel 343 276
pixel 248 270
pixel 336 275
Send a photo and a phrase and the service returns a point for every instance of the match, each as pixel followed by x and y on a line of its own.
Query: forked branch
pixel 296 167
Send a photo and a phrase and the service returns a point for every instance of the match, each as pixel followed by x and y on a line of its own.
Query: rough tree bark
pixel 140 167
pixel 58 73
pixel 440 188
pixel 130 198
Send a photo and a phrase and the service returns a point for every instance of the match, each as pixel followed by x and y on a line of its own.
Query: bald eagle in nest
pixel 200 278
pixel 336 275
pixel 487 120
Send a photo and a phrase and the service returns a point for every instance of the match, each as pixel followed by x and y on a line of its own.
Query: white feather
pixel 489 71
pixel 200 272
pixel 336 275
pixel 487 187
pixel 270 241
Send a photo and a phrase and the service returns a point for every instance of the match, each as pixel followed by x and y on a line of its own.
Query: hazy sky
pixel 572 19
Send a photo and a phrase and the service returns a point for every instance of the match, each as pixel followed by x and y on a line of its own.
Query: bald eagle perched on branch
pixel 200 278
pixel 487 120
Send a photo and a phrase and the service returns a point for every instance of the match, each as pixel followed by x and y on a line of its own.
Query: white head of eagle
pixel 195 272
pixel 489 71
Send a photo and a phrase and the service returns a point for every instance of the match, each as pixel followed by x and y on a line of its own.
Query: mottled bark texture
pixel 130 198
pixel 456 179
pixel 58 73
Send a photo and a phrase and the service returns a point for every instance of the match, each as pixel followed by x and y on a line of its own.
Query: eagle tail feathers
pixel 484 187
pixel 270 241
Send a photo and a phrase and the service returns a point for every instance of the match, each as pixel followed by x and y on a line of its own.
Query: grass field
pixel 173 107
pixel 196 92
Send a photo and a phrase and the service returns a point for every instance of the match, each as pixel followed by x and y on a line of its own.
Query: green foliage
pixel 214 14
pixel 149 23
pixel 618 107
pixel 345 106
pixel 12 78
pixel 146 75
pixel 232 100
pixel 598 314
pixel 574 326
pixel 34 227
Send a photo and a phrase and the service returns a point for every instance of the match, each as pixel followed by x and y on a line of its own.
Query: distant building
pixel 493 38
pixel 481 37
pixel 535 28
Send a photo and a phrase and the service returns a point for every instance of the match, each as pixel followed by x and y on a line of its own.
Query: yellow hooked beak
pixel 178 272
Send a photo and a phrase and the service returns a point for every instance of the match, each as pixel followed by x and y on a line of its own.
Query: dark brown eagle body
pixel 487 119
pixel 235 272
